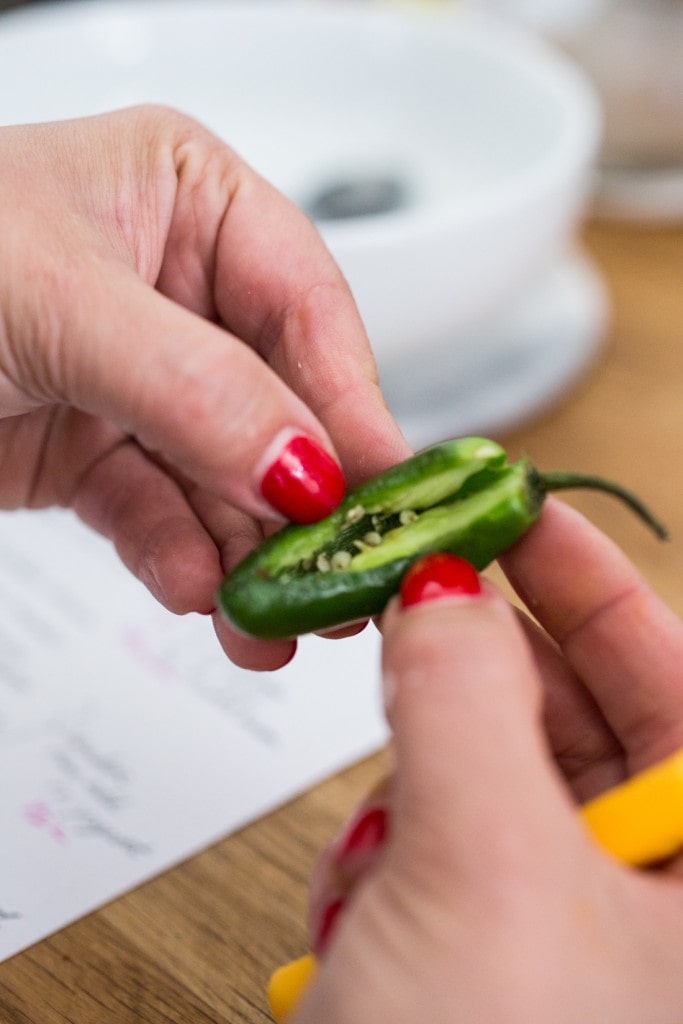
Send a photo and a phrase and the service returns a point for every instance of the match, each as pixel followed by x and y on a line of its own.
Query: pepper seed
pixel 322 563
pixel 372 539
pixel 354 514
pixel 407 516
pixel 340 560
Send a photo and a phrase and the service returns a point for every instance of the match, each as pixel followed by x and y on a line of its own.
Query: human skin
pixel 168 322
pixel 485 899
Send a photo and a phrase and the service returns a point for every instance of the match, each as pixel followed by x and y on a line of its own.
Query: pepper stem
pixel 561 481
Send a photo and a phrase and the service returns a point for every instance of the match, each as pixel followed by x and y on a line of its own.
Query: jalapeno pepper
pixel 461 496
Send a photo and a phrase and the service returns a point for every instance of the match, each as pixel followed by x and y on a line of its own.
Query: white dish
pixel 540 348
pixel 490 133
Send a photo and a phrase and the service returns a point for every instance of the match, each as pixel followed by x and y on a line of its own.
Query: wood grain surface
pixel 197 945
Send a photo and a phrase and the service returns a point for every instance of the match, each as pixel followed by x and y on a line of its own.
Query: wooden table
pixel 196 945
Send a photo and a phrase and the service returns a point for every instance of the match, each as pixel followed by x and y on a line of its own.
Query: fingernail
pixel 365 835
pixel 326 925
pixel 439 576
pixel 304 484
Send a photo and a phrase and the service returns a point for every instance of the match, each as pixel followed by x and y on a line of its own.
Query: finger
pixel 474 787
pixel 583 745
pixel 238 249
pixel 177 539
pixel 343 632
pixel 130 500
pixel 252 654
pixel 236 534
pixel 349 860
pixel 623 642
pixel 295 307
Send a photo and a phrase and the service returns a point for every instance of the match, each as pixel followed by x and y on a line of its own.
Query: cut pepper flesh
pixel 461 496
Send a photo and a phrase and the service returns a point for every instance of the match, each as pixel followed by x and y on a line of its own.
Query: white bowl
pixel 489 133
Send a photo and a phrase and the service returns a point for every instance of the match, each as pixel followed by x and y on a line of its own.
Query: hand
pixel 170 329
pixel 469 890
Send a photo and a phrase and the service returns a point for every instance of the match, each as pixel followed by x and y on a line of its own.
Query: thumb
pixel 474 780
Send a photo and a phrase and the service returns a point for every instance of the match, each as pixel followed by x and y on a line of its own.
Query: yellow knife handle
pixel 639 822
pixel 288 985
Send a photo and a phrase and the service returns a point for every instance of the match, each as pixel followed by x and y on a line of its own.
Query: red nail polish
pixel 437 576
pixel 366 834
pixel 305 484
pixel 327 925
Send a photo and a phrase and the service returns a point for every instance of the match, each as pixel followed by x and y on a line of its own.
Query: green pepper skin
pixel 461 496
pixel 467 498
